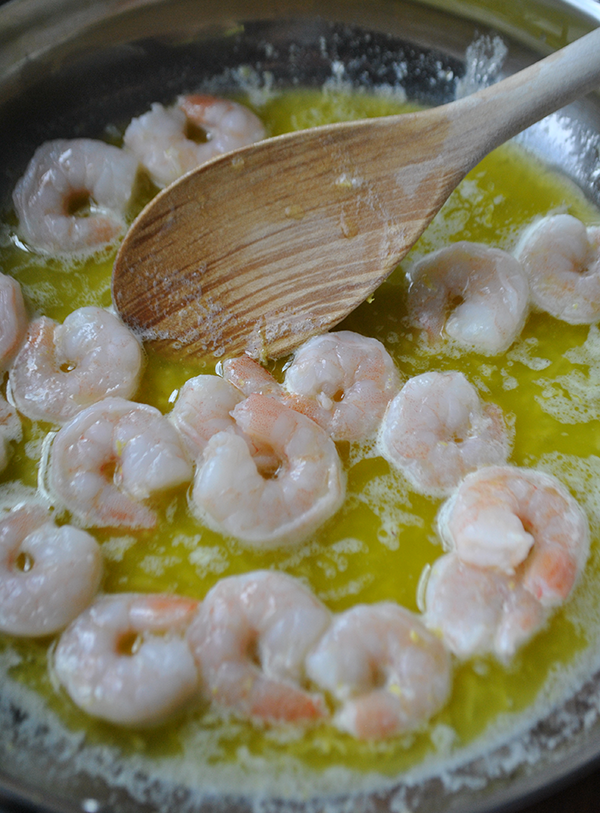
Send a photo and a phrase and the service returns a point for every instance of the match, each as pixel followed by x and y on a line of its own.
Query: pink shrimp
pixel 276 506
pixel 126 658
pixel 518 543
pixel 250 637
pixel 475 295
pixel 437 429
pixel 388 672
pixel 344 382
pixel 163 144
pixel 562 259
pixel 61 369
pixel 111 457
pixel 63 174
pixel 48 574
pixel 13 319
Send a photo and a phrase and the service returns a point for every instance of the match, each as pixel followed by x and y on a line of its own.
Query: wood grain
pixel 262 248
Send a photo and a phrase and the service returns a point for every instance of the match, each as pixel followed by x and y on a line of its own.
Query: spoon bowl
pixel 263 247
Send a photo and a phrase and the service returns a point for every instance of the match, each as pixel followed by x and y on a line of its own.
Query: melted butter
pixel 379 543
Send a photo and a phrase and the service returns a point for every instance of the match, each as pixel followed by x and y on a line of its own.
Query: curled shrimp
pixel 276 506
pixel 250 637
pixel 344 382
pixel 62 178
pixel 562 260
pixel 48 574
pixel 437 429
pixel 111 457
pixel 387 671
pixel 161 140
pixel 126 659
pixel 479 610
pixel 13 319
pixel 476 295
pixel 507 518
pixel 61 369
pixel 203 408
pixel 518 542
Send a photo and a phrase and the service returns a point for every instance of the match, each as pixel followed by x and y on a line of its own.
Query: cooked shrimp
pixel 203 408
pixel 250 377
pixel 562 259
pixel 479 610
pixel 344 382
pixel 250 637
pixel 389 673
pixel 518 543
pixel 437 429
pixel 159 138
pixel 48 574
pixel 514 518
pixel 10 430
pixel 282 505
pixel 13 319
pixel 73 196
pixel 61 369
pixel 126 658
pixel 333 379
pixel 113 455
pixel 476 295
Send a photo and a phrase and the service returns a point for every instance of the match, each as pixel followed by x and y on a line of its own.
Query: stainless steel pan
pixel 67 67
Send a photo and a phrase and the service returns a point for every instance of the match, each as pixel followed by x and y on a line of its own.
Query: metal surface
pixel 67 68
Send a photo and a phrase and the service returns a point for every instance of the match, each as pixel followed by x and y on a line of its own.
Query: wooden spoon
pixel 261 248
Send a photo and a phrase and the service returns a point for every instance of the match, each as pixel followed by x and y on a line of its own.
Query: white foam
pixel 574 397
pixel 483 62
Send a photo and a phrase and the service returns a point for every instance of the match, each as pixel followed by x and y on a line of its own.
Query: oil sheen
pixel 378 545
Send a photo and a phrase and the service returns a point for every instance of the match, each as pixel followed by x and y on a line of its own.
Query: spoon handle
pixel 259 261
pixel 491 116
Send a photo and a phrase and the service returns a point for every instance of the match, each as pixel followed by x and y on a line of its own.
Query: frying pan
pixel 67 67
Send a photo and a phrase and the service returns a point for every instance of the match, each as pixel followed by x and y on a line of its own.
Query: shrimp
pixel 161 140
pixel 479 611
pixel 250 638
pixel 13 319
pixel 562 260
pixel 61 369
pixel 272 507
pixel 344 382
pixel 518 542
pixel 48 574
pixel 126 658
pixel 478 296
pixel 73 196
pixel 437 429
pixel 202 409
pixel 110 457
pixel 507 518
pixel 250 377
pixel 388 672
